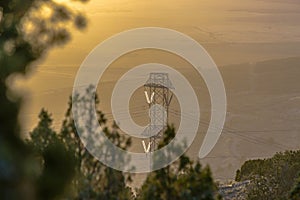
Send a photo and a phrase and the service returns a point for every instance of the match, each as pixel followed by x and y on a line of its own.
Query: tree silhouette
pixel 271 178
pixel 26 34
pixel 93 179
pixel 43 135
pixel 295 194
pixel 181 180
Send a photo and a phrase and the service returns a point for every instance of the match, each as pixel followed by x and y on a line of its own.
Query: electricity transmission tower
pixel 158 95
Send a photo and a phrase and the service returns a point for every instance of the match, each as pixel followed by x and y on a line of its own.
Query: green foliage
pixel 58 171
pixel 92 179
pixel 43 135
pixel 263 188
pixel 25 36
pixel 295 193
pixel 181 180
pixel 238 175
pixel 271 178
pixel 55 161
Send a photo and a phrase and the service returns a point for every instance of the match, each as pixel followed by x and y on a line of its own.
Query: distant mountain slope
pixel 263 113
pixel 272 178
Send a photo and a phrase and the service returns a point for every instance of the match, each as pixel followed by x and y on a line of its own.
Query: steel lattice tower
pixel 158 92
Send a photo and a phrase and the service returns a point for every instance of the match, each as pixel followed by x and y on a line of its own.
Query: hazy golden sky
pixel 232 31
pixel 207 21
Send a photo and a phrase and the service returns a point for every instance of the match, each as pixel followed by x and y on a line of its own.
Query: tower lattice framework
pixel 158 87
